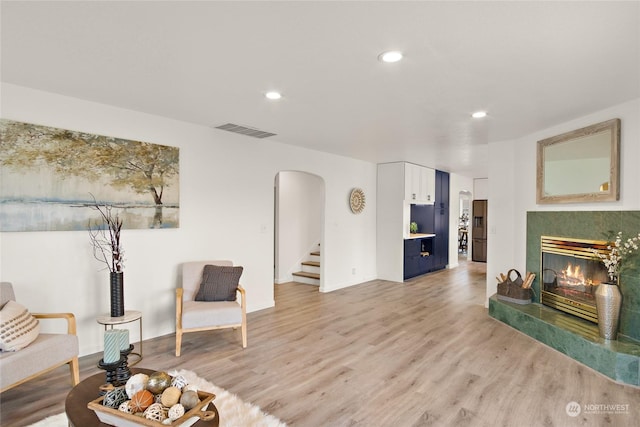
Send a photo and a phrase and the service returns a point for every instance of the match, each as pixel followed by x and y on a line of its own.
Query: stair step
pixel 311 263
pixel 316 253
pixel 307 274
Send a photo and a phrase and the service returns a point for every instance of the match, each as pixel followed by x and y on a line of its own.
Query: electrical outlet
pixel 353 271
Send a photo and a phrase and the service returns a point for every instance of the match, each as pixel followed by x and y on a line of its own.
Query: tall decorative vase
pixel 608 302
pixel 117 294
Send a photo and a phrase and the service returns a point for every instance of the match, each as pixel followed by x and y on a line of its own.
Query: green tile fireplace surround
pixel 575 337
pixel 578 338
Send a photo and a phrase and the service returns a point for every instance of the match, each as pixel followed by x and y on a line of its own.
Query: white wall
pixel 481 188
pixel 226 212
pixel 512 189
pixel 300 205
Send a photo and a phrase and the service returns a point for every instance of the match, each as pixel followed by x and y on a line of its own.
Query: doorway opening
pixel 298 227
pixel 464 212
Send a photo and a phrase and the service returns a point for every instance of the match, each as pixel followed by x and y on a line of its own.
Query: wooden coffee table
pixel 80 416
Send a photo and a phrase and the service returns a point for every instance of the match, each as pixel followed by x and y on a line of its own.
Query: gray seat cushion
pixel 200 314
pixel 46 351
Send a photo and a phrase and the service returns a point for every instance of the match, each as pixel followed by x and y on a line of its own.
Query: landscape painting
pixel 51 178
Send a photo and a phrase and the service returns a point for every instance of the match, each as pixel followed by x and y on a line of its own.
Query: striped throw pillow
pixel 18 328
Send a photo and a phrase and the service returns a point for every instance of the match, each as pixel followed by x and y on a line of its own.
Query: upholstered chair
pixel 193 315
pixel 27 353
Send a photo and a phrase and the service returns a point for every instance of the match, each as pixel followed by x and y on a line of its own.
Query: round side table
pixel 129 316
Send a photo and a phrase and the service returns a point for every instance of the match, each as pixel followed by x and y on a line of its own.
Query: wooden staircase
pixel 310 273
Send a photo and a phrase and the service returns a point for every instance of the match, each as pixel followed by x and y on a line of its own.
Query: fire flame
pixel 574 273
pixel 573 276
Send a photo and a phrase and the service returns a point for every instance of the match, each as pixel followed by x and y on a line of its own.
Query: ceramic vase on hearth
pixel 117 294
pixel 608 302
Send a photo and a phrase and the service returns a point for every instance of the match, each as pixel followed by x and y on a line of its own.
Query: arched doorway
pixel 299 202
pixel 464 212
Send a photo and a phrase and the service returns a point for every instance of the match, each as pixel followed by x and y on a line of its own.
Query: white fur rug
pixel 233 411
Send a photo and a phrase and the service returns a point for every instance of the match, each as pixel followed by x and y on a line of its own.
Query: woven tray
pixel 117 418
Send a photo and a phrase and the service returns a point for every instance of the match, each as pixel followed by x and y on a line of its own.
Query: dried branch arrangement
pixel 105 238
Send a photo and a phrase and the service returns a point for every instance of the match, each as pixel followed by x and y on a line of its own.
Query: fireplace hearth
pixel 572 335
pixel 570 275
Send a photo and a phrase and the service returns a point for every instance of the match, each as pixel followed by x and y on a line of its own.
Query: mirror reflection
pixel 580 166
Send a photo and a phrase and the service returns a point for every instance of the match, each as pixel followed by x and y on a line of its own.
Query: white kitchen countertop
pixel 419 236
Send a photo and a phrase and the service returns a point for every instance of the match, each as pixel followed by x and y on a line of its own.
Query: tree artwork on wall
pixel 49 178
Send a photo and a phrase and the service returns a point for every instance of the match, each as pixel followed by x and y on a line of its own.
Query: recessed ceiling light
pixel 479 114
pixel 273 95
pixel 391 56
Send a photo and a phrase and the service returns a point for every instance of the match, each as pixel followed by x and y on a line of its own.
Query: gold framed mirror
pixel 581 166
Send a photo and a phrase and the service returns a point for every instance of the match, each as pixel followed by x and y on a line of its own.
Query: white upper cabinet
pixel 411 182
pixel 428 184
pixel 419 184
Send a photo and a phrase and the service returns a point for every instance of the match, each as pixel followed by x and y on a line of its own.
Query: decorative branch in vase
pixel 616 253
pixel 608 296
pixel 107 248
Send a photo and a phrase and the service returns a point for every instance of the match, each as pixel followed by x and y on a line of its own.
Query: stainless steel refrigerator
pixel 479 233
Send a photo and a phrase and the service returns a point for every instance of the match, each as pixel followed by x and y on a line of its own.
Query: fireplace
pixel 570 275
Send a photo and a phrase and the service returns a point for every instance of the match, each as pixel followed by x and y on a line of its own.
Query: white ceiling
pixel 531 65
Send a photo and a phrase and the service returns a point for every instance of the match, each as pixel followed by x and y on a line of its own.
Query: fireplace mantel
pixel 596 225
pixel 575 337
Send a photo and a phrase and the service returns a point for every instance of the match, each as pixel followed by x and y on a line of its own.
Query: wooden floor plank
pixel 419 353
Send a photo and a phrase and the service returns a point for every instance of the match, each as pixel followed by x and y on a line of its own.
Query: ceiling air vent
pixel 244 130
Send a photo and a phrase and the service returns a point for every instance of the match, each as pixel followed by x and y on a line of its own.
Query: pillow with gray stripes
pixel 18 328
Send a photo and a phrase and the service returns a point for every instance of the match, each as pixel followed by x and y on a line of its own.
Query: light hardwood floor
pixel 422 353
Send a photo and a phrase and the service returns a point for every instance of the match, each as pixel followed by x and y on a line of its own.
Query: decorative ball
pixel 115 397
pixel 136 383
pixel 179 382
pixel 155 412
pixel 125 407
pixel 141 400
pixel 175 412
pixel 189 399
pixel 170 396
pixel 158 381
pixel 191 387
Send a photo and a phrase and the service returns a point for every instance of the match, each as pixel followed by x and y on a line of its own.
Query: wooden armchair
pixel 194 316
pixel 46 353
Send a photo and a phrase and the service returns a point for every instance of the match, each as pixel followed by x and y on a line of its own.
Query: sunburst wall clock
pixel 357 200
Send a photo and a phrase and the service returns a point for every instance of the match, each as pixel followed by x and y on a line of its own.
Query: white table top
pixel 129 316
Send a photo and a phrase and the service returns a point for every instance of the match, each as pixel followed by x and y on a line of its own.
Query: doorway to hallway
pixel 299 205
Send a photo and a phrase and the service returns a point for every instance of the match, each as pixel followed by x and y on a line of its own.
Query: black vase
pixel 117 294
